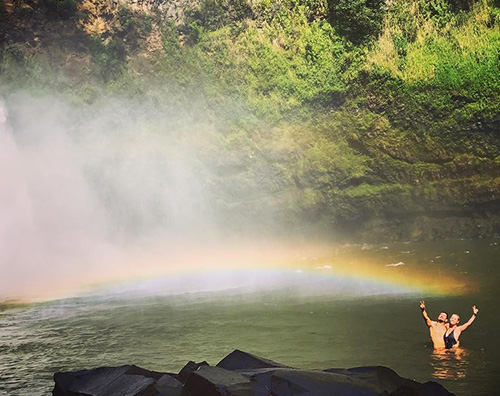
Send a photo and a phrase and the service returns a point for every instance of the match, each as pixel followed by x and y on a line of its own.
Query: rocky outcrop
pixel 239 360
pixel 115 381
pixel 170 9
pixel 241 374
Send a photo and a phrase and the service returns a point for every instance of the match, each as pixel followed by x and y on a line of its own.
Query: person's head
pixel 443 317
pixel 454 319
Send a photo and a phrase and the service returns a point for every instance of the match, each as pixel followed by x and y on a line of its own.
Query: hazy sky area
pixel 90 190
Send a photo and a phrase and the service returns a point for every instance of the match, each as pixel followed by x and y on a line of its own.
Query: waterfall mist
pixel 125 189
pixel 97 192
pixel 118 190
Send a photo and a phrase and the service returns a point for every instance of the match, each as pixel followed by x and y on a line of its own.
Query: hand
pixel 475 310
pixel 422 305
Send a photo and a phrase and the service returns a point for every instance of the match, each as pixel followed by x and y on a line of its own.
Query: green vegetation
pixel 61 9
pixel 357 20
pixel 392 104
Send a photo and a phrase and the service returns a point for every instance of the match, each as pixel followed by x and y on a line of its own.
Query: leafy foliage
pixel 14 53
pixel 109 57
pixel 61 9
pixel 358 20
pixel 133 26
pixel 449 71
pixel 212 15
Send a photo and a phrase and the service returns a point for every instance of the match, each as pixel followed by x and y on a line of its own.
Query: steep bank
pixel 381 127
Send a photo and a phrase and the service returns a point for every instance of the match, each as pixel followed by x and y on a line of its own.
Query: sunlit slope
pixel 380 126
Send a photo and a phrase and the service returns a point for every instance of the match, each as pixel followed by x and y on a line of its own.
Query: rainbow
pixel 211 268
pixel 348 273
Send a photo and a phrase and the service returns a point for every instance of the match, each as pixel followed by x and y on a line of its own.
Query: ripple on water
pixel 163 333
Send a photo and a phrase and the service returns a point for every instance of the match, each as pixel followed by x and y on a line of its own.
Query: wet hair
pixel 446 313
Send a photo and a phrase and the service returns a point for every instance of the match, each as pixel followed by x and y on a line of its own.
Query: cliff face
pixel 373 197
pixel 385 129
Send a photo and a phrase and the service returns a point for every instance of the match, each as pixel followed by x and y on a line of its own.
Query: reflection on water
pixel 449 364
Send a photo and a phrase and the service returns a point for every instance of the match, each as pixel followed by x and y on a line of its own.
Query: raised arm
pixel 472 318
pixel 427 320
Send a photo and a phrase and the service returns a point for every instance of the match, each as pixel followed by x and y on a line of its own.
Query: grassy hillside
pixel 378 118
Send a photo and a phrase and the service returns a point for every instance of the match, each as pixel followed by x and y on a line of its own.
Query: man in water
pixel 437 329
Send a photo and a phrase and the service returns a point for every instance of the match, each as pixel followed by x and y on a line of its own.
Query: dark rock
pixel 318 383
pixel 64 380
pixel 282 381
pixel 86 380
pixel 260 379
pixel 241 374
pixel 239 360
pixel 168 386
pixel 136 385
pixel 135 370
pixel 379 378
pixel 188 369
pixel 107 381
pixel 215 381
pixel 412 388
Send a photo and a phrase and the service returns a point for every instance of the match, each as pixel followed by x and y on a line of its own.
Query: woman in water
pixel 452 335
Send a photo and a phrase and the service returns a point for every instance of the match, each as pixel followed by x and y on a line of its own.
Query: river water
pixel 357 305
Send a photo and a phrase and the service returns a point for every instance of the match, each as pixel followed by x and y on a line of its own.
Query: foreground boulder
pixel 378 379
pixel 215 381
pixel 188 369
pixel 239 360
pixel 241 374
pixel 116 381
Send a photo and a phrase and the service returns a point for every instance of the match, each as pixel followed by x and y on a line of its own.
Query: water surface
pixel 343 324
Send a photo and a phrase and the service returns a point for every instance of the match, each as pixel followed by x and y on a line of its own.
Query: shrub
pixel 109 57
pixel 13 53
pixel 133 26
pixel 170 37
pixel 61 9
pixel 357 20
pixel 269 10
pixel 437 10
pixel 212 15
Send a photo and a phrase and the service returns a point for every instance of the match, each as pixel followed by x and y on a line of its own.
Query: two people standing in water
pixel 446 334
